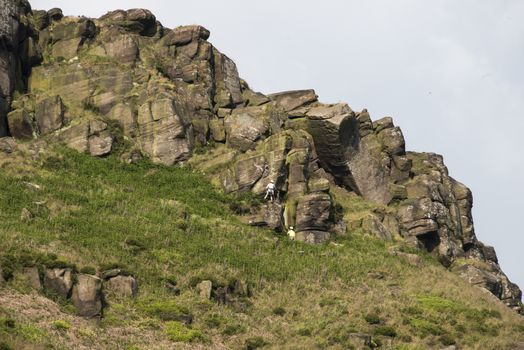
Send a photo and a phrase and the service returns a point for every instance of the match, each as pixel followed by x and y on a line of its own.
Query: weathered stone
pixel 96 126
pixel 7 145
pixel 290 100
pixel 490 254
pixel 123 48
pixel 76 137
pixel 254 98
pixel 371 224
pixel 26 215
pixel 33 277
pixel 15 59
pixel 384 123
pixel 334 130
pixel 228 89
pixel 124 114
pixel 393 141
pixel 359 340
pixel 59 280
pixel 121 286
pixel 365 123
pixel 249 171
pixel 204 289
pixel 398 192
pixel 313 212
pixel 172 140
pixel 87 296
pixel 20 124
pixel 49 114
pixel 100 145
pixel 139 21
pixel 185 34
pixel 55 14
pixel 218 130
pixel 270 215
pixel 111 273
pixel 244 130
pixel 313 237
pixel 511 293
pixel 318 185
pixel 67 49
pixel 241 288
pixel 481 278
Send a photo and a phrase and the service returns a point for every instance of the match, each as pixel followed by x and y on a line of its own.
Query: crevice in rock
pixel 429 240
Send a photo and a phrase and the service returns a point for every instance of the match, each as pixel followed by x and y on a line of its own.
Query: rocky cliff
pixel 124 83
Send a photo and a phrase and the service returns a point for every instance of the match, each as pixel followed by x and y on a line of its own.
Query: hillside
pixel 134 162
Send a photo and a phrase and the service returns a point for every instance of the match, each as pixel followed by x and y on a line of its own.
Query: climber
pixel 270 191
pixel 291 233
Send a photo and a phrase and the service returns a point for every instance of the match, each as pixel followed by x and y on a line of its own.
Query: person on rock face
pixel 270 191
pixel 291 233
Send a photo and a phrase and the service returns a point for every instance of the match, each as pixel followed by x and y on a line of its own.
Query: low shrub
pixel 234 328
pixel 372 318
pixel 255 343
pixel 88 270
pixel 166 310
pixel 447 340
pixel 386 331
pixel 61 325
pixel 177 332
pixel 279 311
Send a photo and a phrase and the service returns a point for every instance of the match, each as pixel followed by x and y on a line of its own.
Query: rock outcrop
pixel 87 295
pixel 125 82
pixel 18 53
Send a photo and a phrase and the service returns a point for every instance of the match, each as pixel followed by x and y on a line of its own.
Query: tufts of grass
pixel 387 331
pixel 167 310
pixel 177 332
pixel 372 318
pixel 61 325
pixel 255 343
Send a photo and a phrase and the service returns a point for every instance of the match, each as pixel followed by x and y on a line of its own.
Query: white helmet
pixel 290 227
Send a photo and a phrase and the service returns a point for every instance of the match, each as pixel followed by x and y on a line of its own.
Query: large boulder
pixel 313 212
pixel 204 289
pixel 165 136
pixel 7 145
pixel 49 114
pixel 59 280
pixel 87 295
pixel 290 100
pixel 139 21
pixel 481 278
pixel 20 124
pixel 335 132
pixel 244 129
pixel 33 277
pixel 121 286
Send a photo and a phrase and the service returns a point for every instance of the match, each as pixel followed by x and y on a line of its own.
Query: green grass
pixel 170 224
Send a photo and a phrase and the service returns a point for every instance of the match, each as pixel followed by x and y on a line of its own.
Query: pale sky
pixel 449 72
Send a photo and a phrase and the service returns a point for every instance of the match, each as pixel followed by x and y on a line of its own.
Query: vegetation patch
pixel 177 332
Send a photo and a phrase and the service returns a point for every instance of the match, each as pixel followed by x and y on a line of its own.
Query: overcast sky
pixel 449 72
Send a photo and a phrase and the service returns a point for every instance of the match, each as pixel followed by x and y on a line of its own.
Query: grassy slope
pixel 304 296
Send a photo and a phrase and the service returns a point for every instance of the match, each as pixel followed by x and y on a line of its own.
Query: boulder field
pixel 125 83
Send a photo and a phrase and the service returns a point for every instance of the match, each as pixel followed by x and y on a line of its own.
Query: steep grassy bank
pixel 170 224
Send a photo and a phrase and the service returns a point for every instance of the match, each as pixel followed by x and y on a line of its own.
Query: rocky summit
pixel 125 86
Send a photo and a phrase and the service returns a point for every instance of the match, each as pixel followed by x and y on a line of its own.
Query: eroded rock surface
pixel 87 295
